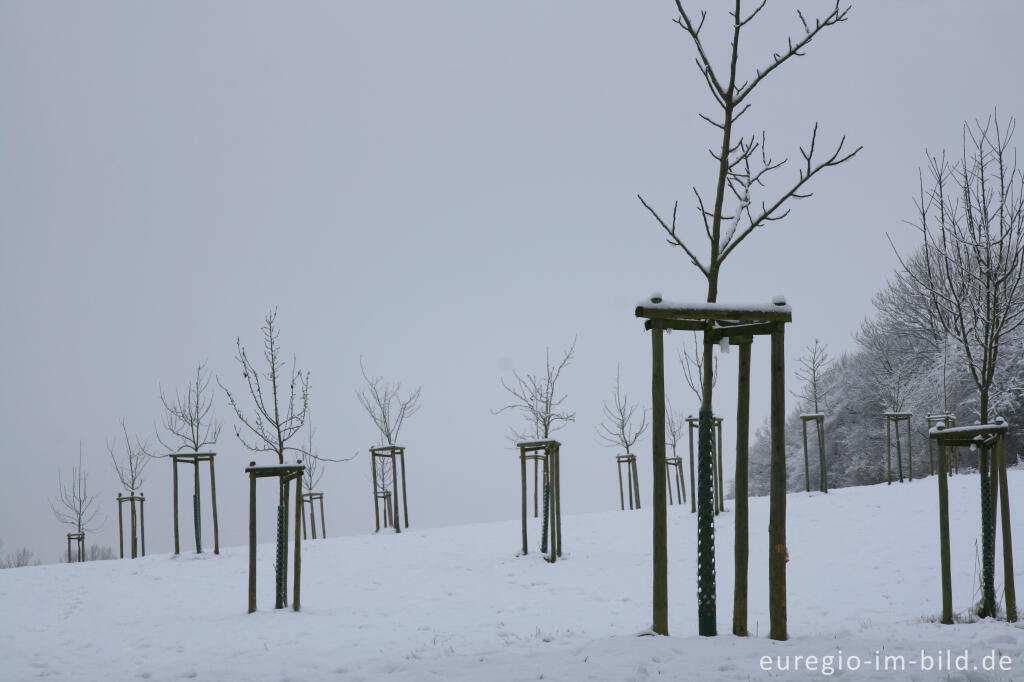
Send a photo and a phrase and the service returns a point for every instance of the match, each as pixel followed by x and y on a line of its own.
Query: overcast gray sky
pixel 444 189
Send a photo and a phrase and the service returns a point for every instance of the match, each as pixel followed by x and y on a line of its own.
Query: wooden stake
pixel 1008 585
pixel 298 542
pixel 947 579
pixel 323 522
pixel 777 552
pixel 376 506
pixel 177 546
pixel 142 519
pixel 622 498
pixel 742 541
pixel 522 465
pixel 252 538
pixel 888 452
pixel 660 526
pixel 213 508
pixel 120 526
pixel 405 502
pixel 807 470
pixel 693 488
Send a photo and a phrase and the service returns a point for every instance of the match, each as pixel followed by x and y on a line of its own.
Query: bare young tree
pixel 383 401
pixel 814 373
pixel 535 396
pixel 280 399
pixel 130 466
pixel 743 169
pixel 621 428
pixel 75 506
pixel 314 468
pixel 692 362
pixel 189 419
pixel 971 220
pixel 675 427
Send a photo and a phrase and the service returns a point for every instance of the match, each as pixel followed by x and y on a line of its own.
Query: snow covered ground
pixel 458 604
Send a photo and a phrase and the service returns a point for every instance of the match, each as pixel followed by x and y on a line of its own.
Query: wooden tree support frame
pixel 136 527
pixel 990 439
pixel 819 420
pixel 716 464
pixel 632 481
pixel 396 454
pixel 549 450
pixel 194 458
pixel 953 457
pixel 310 498
pixel 892 422
pixel 677 464
pixel 79 539
pixel 737 324
pixel 284 473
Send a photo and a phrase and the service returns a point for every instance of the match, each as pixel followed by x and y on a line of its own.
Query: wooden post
pixel 69 548
pixel 777 553
pixel 405 502
pixel 557 488
pixel 198 517
pixel 910 452
pixel 134 522
pixel 286 490
pixel 947 580
pixel 395 517
pixel 252 538
pixel 213 508
pixel 660 527
pixel 142 520
pixel 899 453
pixel 668 484
pixel 535 512
pixel 742 541
pixel 822 457
pixel 522 466
pixel 888 451
pixel 304 518
pixel 1008 584
pixel 177 547
pixel 376 506
pixel 323 521
pixel 120 527
pixel 721 469
pixel 298 542
pixel 622 498
pixel 807 470
pixel 693 487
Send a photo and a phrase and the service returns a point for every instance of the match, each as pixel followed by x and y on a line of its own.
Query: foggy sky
pixel 442 189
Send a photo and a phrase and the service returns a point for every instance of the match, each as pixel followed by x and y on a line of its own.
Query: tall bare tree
pixel 383 401
pixel 189 419
pixel 971 220
pixel 536 398
pixel 743 170
pixel 622 427
pixel 74 505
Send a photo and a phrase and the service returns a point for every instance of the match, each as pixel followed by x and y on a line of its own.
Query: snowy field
pixel 458 604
